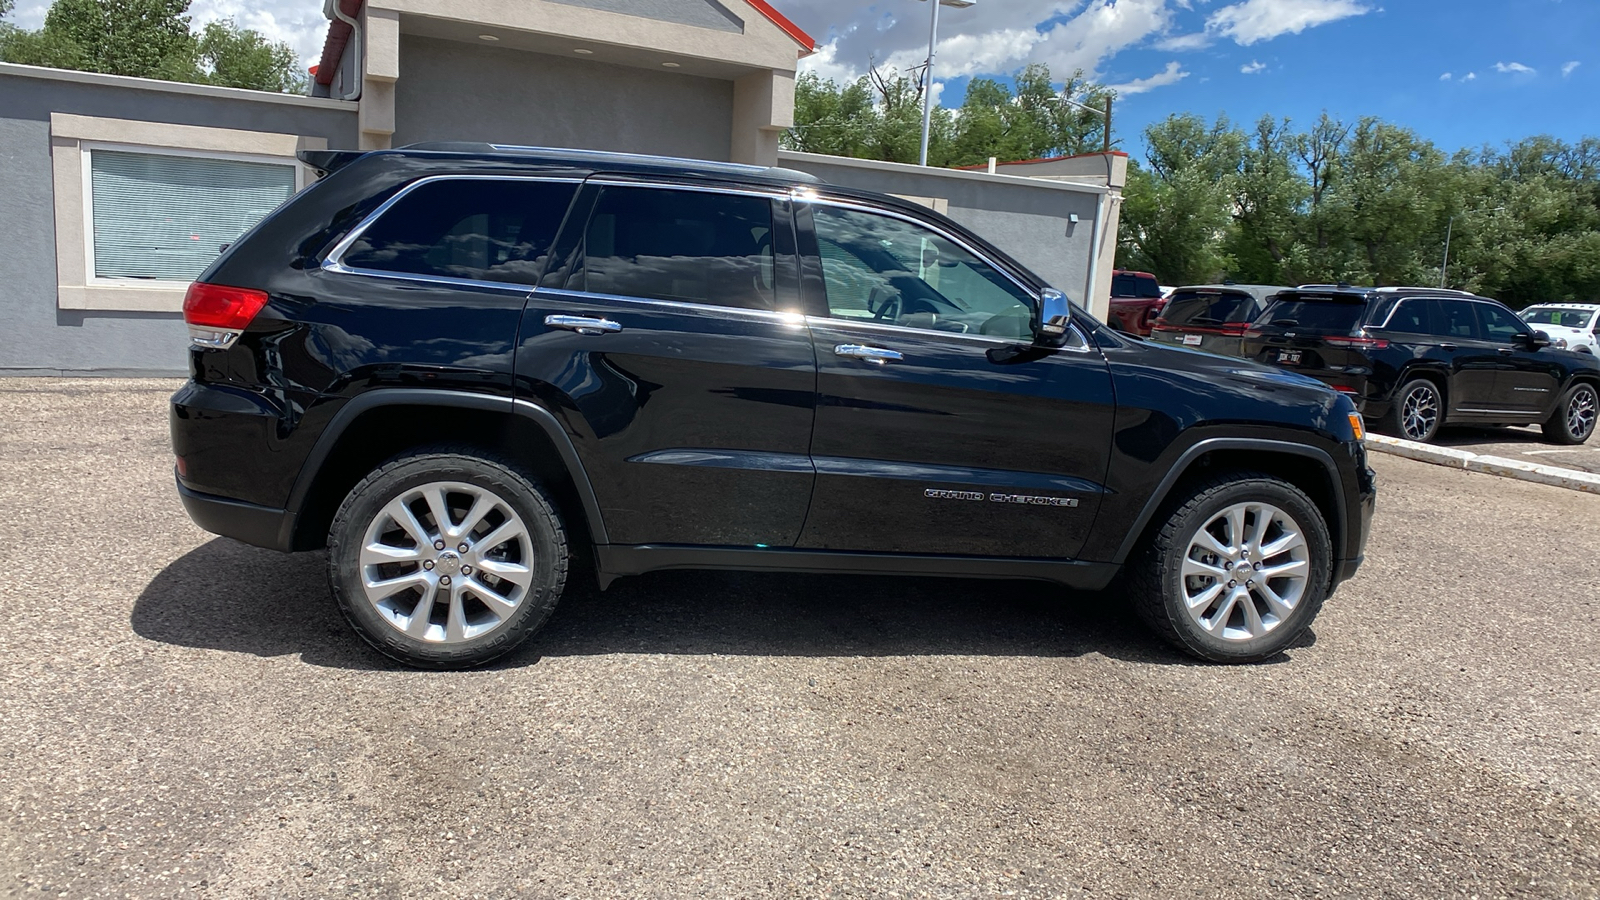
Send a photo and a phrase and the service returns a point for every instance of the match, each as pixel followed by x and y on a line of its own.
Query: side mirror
pixel 1535 341
pixel 1055 314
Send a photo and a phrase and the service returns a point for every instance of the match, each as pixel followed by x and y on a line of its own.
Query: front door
pixel 939 429
pixel 1474 362
pixel 658 337
pixel 1527 380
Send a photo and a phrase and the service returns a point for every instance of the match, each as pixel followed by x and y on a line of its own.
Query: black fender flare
pixel 380 397
pixel 1208 445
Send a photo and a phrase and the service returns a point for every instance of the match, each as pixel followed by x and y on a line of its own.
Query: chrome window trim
pixel 334 261
pixel 1085 346
pixel 687 306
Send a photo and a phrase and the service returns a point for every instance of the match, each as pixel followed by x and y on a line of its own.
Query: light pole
pixel 1102 113
pixel 1449 228
pixel 927 77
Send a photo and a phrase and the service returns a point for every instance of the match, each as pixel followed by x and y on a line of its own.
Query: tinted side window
pixel 887 270
pixel 687 246
pixel 1126 285
pixel 1499 325
pixel 1454 319
pixel 1413 316
pixel 1209 308
pixel 483 229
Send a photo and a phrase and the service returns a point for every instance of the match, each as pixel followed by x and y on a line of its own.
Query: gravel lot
pixel 1525 443
pixel 182 715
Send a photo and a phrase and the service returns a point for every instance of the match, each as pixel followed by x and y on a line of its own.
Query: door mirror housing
pixel 1537 340
pixel 1054 317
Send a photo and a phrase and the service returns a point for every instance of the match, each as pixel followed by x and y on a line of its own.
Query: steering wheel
pixel 885 304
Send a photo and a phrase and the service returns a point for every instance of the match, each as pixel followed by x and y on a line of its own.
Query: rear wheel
pixel 1237 572
pixel 446 560
pixel 1573 420
pixel 1417 411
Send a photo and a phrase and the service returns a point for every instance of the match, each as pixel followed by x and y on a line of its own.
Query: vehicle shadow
pixel 1472 435
pixel 232 597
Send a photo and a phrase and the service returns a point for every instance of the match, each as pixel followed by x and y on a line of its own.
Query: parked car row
pixel 1412 359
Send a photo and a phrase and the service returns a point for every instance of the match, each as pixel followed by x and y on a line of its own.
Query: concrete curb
pixel 1488 465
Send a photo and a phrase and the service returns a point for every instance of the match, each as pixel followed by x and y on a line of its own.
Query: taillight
pixel 1254 331
pixel 216 313
pixel 1234 329
pixel 1357 343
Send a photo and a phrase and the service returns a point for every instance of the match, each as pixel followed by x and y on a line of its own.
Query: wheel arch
pixel 381 424
pixel 1311 469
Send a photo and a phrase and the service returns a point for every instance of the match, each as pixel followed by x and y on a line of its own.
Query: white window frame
pixel 77 288
pixel 86 150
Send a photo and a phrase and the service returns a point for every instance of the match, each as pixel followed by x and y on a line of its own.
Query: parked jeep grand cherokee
pixel 1418 358
pixel 462 368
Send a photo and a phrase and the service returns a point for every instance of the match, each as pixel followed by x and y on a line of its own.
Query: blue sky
pixel 1245 58
pixel 1510 63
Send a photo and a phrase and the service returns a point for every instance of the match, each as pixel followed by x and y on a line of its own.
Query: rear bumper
pixel 262 526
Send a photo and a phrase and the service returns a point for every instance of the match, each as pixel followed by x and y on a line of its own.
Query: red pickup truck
pixel 1136 301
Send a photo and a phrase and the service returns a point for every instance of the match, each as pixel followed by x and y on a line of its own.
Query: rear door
pixel 1526 380
pixel 667 337
pixel 940 429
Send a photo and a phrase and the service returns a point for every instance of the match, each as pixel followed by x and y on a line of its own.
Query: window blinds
pixel 164 217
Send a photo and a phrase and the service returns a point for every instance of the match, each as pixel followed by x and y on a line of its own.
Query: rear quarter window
pixel 479 229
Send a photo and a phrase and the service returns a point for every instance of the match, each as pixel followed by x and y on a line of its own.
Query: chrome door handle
pixel 875 355
pixel 1447 346
pixel 583 324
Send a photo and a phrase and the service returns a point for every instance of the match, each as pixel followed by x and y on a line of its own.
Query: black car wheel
pixel 1237 572
pixel 1574 418
pixel 446 559
pixel 1417 411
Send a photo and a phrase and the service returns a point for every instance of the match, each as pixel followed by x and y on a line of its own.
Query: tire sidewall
pixel 1565 411
pixel 1319 552
pixel 368 499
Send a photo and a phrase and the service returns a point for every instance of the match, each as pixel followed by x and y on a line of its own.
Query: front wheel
pixel 1573 420
pixel 446 560
pixel 1237 572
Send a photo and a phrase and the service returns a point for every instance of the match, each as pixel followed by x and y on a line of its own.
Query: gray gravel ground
pixel 1525 443
pixel 183 715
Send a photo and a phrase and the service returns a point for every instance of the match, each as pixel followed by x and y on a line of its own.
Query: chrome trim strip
pixel 1083 347
pixel 792 318
pixel 341 269
pixel 334 262
pixel 1499 412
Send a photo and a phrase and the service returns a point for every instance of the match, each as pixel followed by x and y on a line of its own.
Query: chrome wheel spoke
pixel 517 574
pixel 1289 542
pixel 1199 602
pixel 1236 527
pixel 378 553
pixel 509 529
pixel 1208 542
pixel 417 624
pixel 455 624
pixel 1275 604
pixel 385 588
pixel 1252 617
pixel 495 603
pixel 1219 619
pixel 480 508
pixel 400 514
pixel 434 494
pixel 1292 568
pixel 1259 532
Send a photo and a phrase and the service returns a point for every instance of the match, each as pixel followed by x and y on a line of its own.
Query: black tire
pixel 378 621
pixel 1158 587
pixel 1420 426
pixel 1573 420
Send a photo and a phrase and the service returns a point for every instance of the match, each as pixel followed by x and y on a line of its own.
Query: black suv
pixel 1414 359
pixel 460 368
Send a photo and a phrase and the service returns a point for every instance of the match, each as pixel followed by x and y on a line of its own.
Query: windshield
pixel 1562 318
pixel 1313 315
pixel 1209 308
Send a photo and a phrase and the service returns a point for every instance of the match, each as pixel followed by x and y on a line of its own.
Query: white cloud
pixel 1470 76
pixel 1568 68
pixel 1514 68
pixel 1252 67
pixel 1262 20
pixel 1171 75
pixel 1180 43
pixel 1445 77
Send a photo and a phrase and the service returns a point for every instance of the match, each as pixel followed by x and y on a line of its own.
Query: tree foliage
pixel 879 116
pixel 151 39
pixel 1368 203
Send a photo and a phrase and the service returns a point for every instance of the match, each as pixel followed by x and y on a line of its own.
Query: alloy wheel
pixel 446 562
pixel 1245 571
pixel 1582 410
pixel 1419 412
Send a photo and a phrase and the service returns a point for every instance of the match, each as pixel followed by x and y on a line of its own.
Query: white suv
pixel 1575 326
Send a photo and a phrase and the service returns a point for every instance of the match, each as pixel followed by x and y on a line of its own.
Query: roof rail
pixel 1402 289
pixel 609 156
pixel 1341 286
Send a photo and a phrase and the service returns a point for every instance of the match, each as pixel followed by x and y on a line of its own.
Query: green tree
pixel 1178 207
pixel 239 57
pixel 142 38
